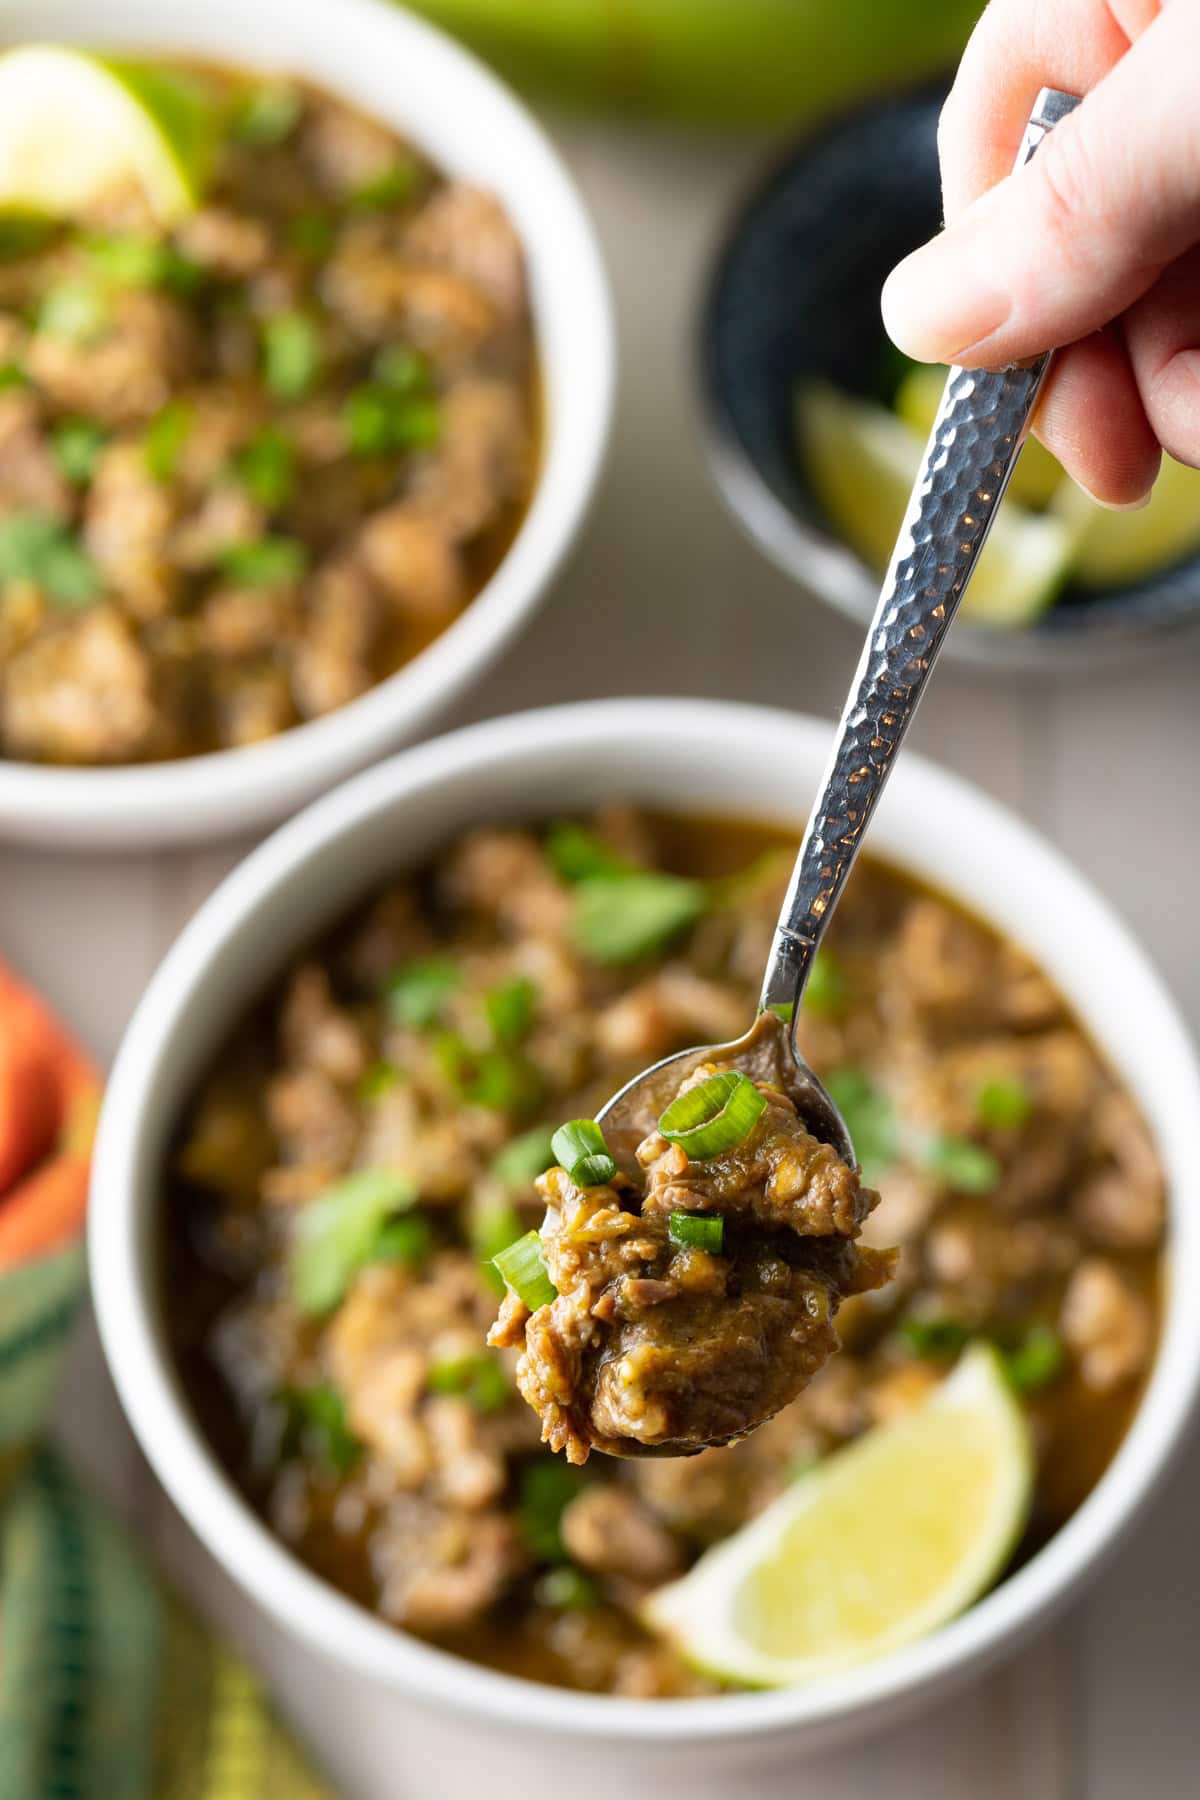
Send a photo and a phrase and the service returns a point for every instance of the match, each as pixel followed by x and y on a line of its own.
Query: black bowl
pixel 794 297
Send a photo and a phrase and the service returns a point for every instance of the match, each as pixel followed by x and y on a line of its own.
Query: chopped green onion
pixel 504 1083
pixel 697 1231
pixel 526 1157
pixel 510 1009
pixel 416 991
pixel 619 919
pixel 1035 1362
pixel 783 1009
pixel 379 1079
pixel 827 989
pixel 580 1148
pixel 291 355
pixel 325 1414
pixel 547 1488
pixel 401 369
pixel 934 1339
pixel 336 1233
pixel 961 1164
pixel 379 422
pixel 266 468
pixel 408 1240
pixel 68 574
pixel 44 551
pixel 266 116
pixel 165 437
pixel 21 233
pixel 314 1422
pixel 416 424
pixel 1003 1103
pixel 767 871
pixel 136 262
pixel 493 1226
pixel 524 1271
pixel 717 1115
pixel 391 188
pixel 127 261
pixel 502 1080
pixel 479 1379
pixel 577 854
pixel 456 1060
pixel 12 375
pixel 367 417
pixel 265 562
pixel 77 444
pixel 870 1119
pixel 77 311
pixel 312 232
pixel 880 1137
pixel 567 1589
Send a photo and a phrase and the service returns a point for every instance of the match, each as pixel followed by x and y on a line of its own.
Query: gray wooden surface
pixel 666 596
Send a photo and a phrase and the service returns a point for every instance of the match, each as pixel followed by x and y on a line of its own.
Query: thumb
pixel 1066 243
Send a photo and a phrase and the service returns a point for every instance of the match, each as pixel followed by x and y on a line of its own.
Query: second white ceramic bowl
pixel 693 757
pixel 384 60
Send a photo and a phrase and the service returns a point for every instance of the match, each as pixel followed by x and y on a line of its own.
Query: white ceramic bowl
pixel 381 58
pixel 695 757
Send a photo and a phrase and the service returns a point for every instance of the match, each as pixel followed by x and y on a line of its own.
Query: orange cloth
pixel 49 1098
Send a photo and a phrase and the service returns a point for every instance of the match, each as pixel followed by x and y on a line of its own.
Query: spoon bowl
pixel 767 1052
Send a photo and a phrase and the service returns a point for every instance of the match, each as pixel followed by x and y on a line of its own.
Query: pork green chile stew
pixel 373 1136
pixel 686 1309
pixel 252 465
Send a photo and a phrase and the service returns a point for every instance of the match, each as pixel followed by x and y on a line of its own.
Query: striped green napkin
pixel 109 1688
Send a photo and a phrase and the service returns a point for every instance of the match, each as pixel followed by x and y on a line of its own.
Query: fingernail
pixel 937 305
pixel 1119 505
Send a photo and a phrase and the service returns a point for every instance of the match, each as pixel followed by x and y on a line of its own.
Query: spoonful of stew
pixel 702 1231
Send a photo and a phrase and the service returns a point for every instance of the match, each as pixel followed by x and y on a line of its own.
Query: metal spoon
pixel 973 447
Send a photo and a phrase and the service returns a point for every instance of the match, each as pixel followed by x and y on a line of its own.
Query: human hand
pixel 1094 244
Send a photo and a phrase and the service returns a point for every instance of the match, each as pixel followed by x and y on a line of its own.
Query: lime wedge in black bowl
pixel 799 389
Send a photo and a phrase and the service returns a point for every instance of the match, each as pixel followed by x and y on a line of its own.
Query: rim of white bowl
pixel 579 738
pixel 353 47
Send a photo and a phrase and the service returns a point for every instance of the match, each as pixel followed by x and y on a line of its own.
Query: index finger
pixel 1018 48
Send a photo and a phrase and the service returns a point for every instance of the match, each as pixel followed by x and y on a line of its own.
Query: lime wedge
pixel 862 460
pixel 1037 476
pixel 1120 547
pixel 881 1543
pixel 74 126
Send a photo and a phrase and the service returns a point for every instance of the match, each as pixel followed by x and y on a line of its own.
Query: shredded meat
pixel 82 692
pixel 439 1569
pixel 463 229
pixel 483 460
pixel 608 1529
pixel 414 563
pixel 127 526
pixel 277 447
pixel 29 474
pixel 333 662
pixel 1107 1323
pixel 649 1345
pixel 315 1031
pixel 1121 1205
pixel 382 298
pixel 130 372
